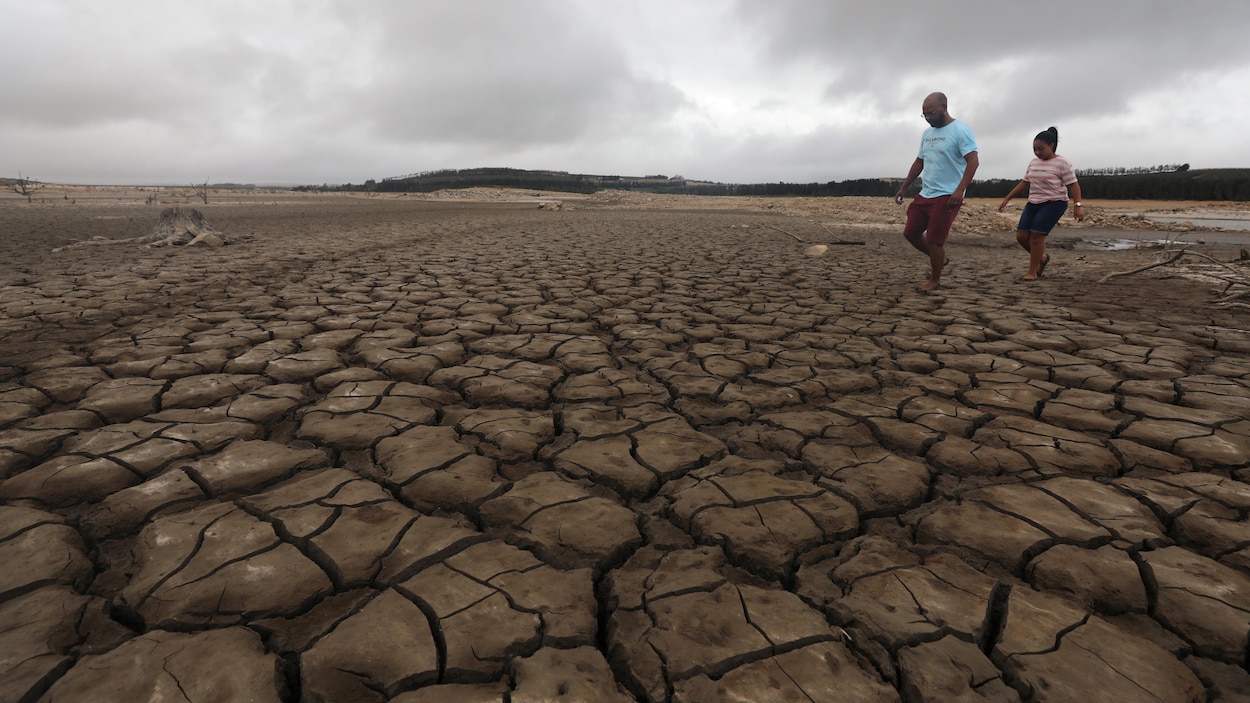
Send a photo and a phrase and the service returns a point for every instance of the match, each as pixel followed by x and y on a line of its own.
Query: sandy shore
pixel 459 448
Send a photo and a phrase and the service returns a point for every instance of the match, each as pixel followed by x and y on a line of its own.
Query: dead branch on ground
pixel 1231 276
pixel 1162 262
pixel 799 239
pixel 796 237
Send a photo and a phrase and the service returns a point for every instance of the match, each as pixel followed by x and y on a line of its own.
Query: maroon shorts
pixel 930 215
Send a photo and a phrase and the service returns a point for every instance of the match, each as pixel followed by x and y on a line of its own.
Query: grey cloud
pixel 1059 49
pixel 86 77
pixel 817 156
pixel 938 35
pixel 530 73
pixel 331 91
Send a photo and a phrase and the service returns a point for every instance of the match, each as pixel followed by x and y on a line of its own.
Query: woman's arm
pixel 1074 192
pixel 1014 192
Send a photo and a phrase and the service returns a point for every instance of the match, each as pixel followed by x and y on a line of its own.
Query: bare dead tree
pixel 201 191
pixel 24 186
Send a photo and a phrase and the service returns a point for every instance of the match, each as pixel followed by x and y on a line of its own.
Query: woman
pixel 1050 179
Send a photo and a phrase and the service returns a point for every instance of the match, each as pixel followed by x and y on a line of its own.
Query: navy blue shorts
pixel 1041 218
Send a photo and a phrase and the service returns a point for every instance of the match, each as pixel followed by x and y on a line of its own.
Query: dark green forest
pixel 1149 183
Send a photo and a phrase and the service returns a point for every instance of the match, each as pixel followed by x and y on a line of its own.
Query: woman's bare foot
pixel 1041 268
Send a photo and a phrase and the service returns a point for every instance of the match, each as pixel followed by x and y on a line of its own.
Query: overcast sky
pixel 333 91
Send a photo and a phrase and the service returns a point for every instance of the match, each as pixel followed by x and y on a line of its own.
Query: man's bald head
pixel 934 110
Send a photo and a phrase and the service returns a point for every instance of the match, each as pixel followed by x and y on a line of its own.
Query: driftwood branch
pixel 1230 276
pixel 1224 264
pixel 836 238
pixel 798 239
pixel 1162 262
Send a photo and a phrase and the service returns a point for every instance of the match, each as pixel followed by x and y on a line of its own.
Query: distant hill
pixel 1128 184
pixel 565 182
pixel 561 181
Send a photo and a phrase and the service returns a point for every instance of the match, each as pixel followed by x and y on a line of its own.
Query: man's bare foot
pixel 928 286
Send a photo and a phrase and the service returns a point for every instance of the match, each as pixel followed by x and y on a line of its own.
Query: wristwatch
pixel 1077 204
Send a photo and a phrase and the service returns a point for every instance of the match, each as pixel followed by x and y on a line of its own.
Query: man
pixel 945 165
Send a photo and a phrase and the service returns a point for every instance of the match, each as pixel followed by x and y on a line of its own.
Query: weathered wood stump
pixel 180 227
pixel 177 227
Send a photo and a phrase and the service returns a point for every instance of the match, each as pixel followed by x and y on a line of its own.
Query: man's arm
pixel 957 198
pixel 916 167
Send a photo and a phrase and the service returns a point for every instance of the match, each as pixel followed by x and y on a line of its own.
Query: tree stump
pixel 177 227
pixel 180 227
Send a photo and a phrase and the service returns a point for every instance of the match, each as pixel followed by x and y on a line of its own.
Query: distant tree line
pixel 1131 171
pixel 444 179
pixel 1169 182
pixel 562 181
pixel 1178 184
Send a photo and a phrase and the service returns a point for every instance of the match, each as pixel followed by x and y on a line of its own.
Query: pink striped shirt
pixel 1049 180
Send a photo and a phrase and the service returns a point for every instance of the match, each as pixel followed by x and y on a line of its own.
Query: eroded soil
pixel 428 449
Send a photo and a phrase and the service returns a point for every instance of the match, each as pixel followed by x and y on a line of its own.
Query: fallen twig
pixel 1214 260
pixel 796 237
pixel 1163 262
pixel 1231 277
pixel 836 240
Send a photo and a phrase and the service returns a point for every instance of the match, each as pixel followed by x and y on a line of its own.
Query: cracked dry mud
pixel 412 451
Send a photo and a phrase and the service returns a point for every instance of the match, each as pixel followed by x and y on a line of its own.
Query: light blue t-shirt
pixel 943 150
